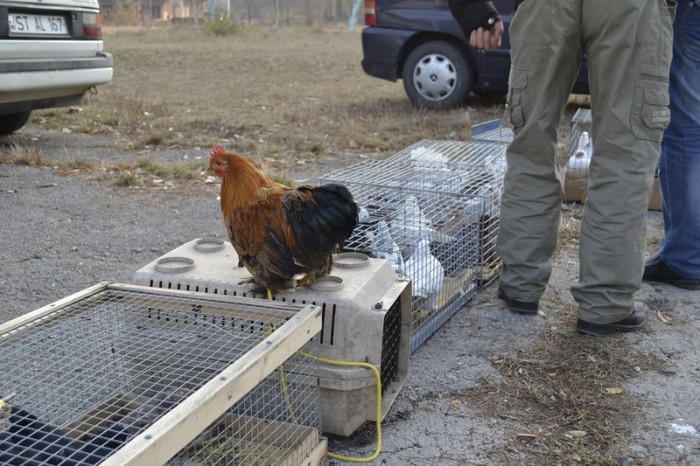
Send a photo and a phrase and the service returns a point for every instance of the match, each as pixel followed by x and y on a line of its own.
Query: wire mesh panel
pixel 432 211
pixel 129 375
pixel 492 131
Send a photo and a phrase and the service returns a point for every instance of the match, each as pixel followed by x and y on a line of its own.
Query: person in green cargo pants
pixel 627 45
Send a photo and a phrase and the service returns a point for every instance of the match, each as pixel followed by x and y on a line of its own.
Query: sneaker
pixel 520 307
pixel 657 271
pixel 634 322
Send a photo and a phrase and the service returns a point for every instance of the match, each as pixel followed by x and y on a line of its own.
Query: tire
pixel 13 121
pixel 437 75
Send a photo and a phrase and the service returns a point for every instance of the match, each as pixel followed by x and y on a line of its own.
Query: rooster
pixel 285 237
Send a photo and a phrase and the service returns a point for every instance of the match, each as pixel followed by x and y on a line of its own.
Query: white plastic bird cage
pixel 121 375
pixel 579 160
pixel 578 156
pixel 432 210
pixel 366 313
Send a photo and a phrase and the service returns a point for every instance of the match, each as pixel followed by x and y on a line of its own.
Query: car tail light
pixel 370 12
pixel 92 26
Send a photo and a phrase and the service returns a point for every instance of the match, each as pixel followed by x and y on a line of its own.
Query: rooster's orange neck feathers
pixel 242 174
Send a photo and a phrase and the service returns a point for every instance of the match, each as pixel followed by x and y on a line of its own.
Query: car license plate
pixel 25 24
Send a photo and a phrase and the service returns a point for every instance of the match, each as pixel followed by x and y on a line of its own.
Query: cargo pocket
pixel 515 101
pixel 650 112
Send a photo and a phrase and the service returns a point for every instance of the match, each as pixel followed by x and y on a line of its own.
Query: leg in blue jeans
pixel 679 165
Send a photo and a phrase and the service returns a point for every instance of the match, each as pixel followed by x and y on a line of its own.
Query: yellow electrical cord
pixel 283 377
pixel 377 405
pixel 285 393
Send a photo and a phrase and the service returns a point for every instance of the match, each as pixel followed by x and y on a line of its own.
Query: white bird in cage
pixel 410 225
pixel 363 215
pixel 383 246
pixel 426 272
pixel 581 159
pixel 428 158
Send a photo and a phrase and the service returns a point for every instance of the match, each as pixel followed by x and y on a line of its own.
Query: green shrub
pixel 126 179
pixel 222 26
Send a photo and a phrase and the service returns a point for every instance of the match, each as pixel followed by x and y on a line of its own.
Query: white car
pixel 51 54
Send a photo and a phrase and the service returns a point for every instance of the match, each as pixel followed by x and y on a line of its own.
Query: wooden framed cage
pixel 127 375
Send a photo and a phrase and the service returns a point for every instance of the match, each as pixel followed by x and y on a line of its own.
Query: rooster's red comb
pixel 218 150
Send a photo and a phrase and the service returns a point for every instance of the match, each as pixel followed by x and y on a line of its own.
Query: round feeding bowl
pixel 174 264
pixel 327 283
pixel 351 260
pixel 209 244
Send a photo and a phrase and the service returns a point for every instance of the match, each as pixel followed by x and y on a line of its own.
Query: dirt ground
pixel 488 388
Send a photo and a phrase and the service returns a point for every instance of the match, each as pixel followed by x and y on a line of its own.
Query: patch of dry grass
pixel 152 172
pixel 569 228
pixel 21 155
pixel 294 93
pixel 567 390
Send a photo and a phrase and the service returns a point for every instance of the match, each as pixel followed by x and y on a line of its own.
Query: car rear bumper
pixel 101 60
pixel 381 49
pixel 31 84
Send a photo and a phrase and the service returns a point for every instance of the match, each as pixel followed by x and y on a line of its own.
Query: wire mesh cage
pixel 432 211
pixel 366 316
pixel 119 374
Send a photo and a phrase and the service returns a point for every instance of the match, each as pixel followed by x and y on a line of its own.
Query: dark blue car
pixel 420 42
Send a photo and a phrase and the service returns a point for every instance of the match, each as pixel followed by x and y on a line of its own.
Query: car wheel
pixel 12 122
pixel 437 75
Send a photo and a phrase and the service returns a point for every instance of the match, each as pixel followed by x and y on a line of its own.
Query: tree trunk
pixel 308 13
pixel 339 16
pixel 277 14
